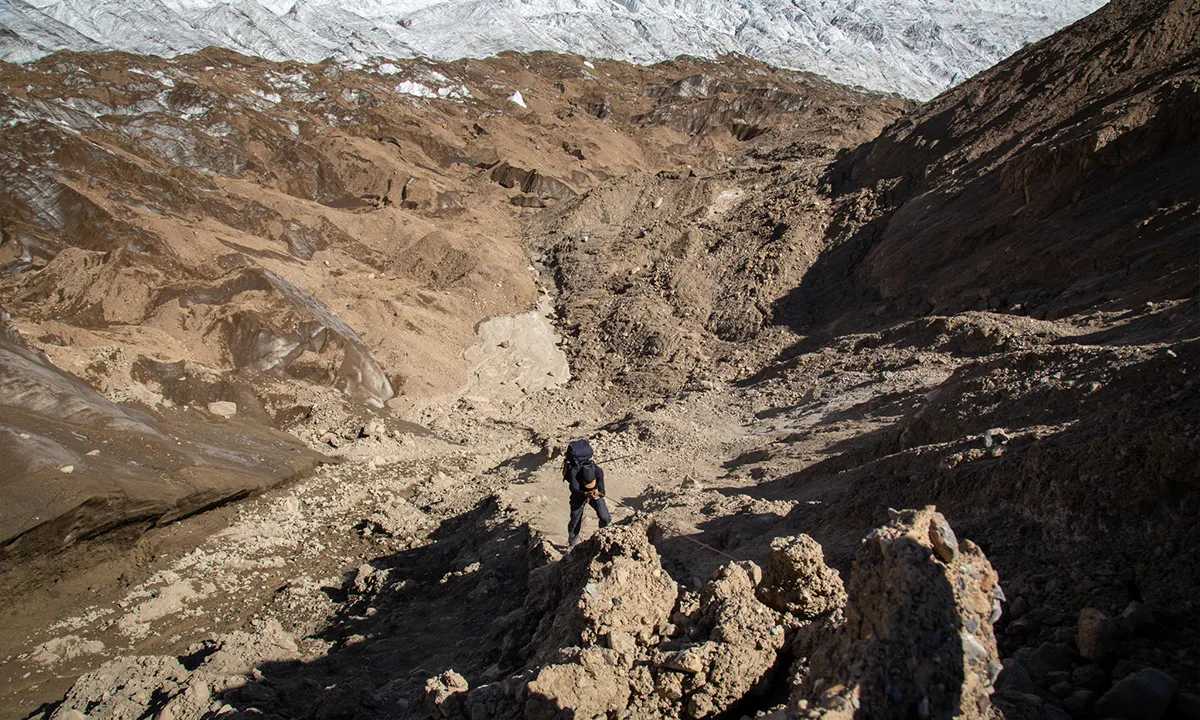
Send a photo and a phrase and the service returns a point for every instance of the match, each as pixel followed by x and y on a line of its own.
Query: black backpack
pixel 579 458
pixel 579 452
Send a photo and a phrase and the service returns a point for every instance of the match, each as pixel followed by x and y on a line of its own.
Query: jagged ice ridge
pixel 916 48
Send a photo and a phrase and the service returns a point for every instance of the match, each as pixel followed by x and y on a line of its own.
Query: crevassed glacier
pixel 916 48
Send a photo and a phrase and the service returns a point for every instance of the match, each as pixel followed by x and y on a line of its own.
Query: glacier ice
pixel 916 48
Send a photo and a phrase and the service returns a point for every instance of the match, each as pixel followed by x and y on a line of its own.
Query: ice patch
pixel 456 92
pixel 415 89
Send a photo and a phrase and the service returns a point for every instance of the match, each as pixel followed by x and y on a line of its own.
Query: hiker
pixel 586 481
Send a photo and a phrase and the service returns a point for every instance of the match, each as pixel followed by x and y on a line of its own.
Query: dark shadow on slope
pixel 412 615
pixel 1146 325
pixel 526 465
pixel 830 300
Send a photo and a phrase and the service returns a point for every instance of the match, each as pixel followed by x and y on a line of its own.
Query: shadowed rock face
pixel 1056 181
pixel 917 637
pixel 916 632
pixel 78 465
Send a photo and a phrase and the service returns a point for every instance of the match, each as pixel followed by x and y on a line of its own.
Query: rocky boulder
pixel 918 638
pixel 739 643
pixel 796 579
pixel 611 586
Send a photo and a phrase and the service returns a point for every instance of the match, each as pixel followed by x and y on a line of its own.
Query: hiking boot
pixel 571 543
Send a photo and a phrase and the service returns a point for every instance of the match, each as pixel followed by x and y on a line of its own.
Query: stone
pixel 224 408
pixel 1057 676
pixel 995 437
pixel 1079 702
pixel 444 694
pixel 1092 677
pixel 622 642
pixel 1137 618
pixel 1021 626
pixel 1145 694
pixel 1017 608
pixel 1097 637
pixel 941 535
pixel 67 469
pixel 374 429
pixel 1062 689
pixel 796 579
pixel 1046 658
pixel 1015 678
pixel 690 660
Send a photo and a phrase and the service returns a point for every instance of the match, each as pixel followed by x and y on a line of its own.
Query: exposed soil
pixel 789 346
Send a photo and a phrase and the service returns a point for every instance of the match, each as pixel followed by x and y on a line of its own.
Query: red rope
pixel 681 534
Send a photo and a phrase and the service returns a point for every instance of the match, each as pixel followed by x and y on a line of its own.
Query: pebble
pixel 93 453
pixel 68 469
pixel 995 436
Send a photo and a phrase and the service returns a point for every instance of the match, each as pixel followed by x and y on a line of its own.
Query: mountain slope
pixel 1053 182
pixel 916 49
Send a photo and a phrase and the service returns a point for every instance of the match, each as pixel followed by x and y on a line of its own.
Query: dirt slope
pixel 1052 184
pixel 308 245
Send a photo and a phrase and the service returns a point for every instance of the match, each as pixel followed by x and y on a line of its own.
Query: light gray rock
pixel 224 408
pixel 942 536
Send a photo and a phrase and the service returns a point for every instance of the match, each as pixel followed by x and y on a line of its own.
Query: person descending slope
pixel 586 480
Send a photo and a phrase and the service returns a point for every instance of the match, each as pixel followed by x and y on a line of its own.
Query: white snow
pixel 416 89
pixel 913 47
pixel 517 99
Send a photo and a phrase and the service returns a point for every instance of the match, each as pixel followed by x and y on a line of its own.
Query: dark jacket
pixel 571 472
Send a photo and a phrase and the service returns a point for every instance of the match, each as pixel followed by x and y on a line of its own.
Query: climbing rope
pixel 679 533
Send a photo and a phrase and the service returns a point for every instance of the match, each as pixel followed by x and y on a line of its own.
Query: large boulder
pixel 917 639
pixel 796 579
pixel 740 639
pixel 611 585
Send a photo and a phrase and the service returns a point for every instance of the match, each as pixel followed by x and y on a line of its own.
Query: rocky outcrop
pixel 532 182
pixel 1056 180
pixel 75 462
pixel 617 636
pixel 917 638
pixel 797 581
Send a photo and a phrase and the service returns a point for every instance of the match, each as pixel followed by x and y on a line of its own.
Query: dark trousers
pixel 578 502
